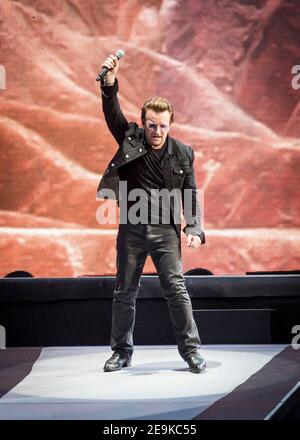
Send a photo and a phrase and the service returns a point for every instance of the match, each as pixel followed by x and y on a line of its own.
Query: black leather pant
pixel 134 243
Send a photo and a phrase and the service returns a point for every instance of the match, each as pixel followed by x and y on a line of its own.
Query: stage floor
pixel 241 382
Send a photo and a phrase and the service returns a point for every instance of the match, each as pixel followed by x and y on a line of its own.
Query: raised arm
pixel 116 121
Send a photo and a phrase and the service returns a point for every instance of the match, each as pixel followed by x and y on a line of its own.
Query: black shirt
pixel 146 173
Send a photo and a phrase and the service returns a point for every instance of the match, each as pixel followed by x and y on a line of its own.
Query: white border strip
pixel 279 405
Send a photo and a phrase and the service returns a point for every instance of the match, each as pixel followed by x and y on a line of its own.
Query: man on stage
pixel 148 159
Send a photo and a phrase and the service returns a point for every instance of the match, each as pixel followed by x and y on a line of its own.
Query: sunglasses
pixel 153 126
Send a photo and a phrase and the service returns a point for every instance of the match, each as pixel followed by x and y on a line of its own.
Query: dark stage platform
pixel 255 309
pixel 245 323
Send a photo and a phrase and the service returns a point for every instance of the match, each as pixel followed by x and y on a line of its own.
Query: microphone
pixel 119 54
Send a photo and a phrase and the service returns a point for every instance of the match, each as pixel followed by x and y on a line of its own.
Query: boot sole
pixel 197 371
pixel 125 365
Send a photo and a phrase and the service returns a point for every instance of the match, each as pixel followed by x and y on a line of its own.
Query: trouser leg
pixel 131 257
pixel 165 251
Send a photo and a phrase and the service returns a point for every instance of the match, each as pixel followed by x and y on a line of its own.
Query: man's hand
pixel 112 63
pixel 193 241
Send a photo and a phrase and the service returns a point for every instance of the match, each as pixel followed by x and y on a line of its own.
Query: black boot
pixel 196 363
pixel 117 361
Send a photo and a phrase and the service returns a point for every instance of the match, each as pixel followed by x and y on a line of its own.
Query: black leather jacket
pixel 177 162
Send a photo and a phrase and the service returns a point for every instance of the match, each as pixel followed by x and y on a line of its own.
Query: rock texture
pixel 49 252
pixel 227 68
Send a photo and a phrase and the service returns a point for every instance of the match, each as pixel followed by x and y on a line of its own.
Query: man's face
pixel 157 126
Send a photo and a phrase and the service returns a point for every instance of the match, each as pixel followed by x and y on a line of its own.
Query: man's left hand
pixel 193 241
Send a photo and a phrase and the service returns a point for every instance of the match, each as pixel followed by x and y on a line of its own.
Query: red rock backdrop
pixel 226 66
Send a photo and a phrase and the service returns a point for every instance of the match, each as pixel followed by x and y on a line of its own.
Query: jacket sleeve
pixel 190 204
pixel 113 114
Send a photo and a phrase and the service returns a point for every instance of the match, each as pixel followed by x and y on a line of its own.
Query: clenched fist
pixel 193 241
pixel 111 63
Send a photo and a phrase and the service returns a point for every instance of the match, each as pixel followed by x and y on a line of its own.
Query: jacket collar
pixel 170 145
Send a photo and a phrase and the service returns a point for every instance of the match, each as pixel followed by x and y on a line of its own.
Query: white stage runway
pixel 69 383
